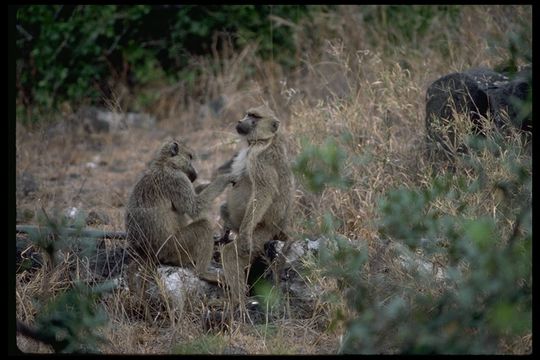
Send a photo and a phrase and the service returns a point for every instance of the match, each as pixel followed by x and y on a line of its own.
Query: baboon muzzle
pixel 242 128
pixel 191 174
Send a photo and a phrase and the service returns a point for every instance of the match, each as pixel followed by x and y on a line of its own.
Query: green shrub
pixel 485 294
pixel 72 318
pixel 319 166
pixel 71 52
pixel 478 295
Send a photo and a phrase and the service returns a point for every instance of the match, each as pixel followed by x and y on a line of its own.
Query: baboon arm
pixel 209 193
pixel 200 187
pixel 226 167
pixel 183 195
pixel 186 200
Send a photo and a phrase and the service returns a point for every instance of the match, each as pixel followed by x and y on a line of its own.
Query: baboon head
pixel 259 123
pixel 178 156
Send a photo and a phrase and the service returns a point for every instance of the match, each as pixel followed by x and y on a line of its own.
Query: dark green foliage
pixel 73 52
pixel 496 282
pixel 65 52
pixel 72 318
pixel 319 166
pixel 488 277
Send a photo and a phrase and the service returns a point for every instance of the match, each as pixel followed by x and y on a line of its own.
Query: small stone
pixel 234 350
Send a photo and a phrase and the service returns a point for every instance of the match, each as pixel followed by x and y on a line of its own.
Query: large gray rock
pixel 506 97
pixel 288 270
pixel 456 92
pixel 475 93
pixel 170 289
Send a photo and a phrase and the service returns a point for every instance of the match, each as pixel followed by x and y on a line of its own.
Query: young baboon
pixel 165 217
pixel 258 205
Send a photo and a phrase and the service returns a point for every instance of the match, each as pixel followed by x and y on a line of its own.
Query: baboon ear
pixel 275 125
pixel 174 149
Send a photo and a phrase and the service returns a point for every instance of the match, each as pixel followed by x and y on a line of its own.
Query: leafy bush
pixel 64 52
pixel 478 295
pixel 71 319
pixel 319 166
pixel 71 52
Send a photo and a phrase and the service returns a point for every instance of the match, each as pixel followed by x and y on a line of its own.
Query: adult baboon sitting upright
pixel 165 218
pixel 258 205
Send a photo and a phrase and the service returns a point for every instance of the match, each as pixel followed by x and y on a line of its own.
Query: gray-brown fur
pixel 165 217
pixel 258 205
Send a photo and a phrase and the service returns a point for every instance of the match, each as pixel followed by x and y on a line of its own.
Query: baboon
pixel 165 217
pixel 258 205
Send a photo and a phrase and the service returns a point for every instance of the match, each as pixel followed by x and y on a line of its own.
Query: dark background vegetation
pixel 70 52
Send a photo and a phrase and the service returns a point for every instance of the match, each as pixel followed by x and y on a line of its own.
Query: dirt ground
pixel 96 172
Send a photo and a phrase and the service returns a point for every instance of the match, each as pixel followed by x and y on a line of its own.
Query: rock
pixel 174 286
pixel 108 263
pixel 141 121
pixel 302 296
pixel 454 92
pixel 485 77
pixel 234 350
pixel 507 99
pixel 72 212
pixel 475 93
pixel 503 91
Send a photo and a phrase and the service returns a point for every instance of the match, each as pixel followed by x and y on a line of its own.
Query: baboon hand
pixel 230 178
pixel 245 244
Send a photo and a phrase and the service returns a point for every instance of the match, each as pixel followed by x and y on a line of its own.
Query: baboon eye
pixel 190 156
pixel 174 149
pixel 275 125
pixel 253 115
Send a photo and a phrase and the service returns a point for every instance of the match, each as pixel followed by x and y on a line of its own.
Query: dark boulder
pixel 475 93
pixel 453 93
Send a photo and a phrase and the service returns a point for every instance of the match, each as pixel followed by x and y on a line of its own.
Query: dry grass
pixel 345 86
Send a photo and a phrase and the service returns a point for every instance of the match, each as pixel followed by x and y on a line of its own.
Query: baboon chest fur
pixel 261 171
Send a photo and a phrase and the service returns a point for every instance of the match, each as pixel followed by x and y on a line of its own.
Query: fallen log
pixel 81 233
